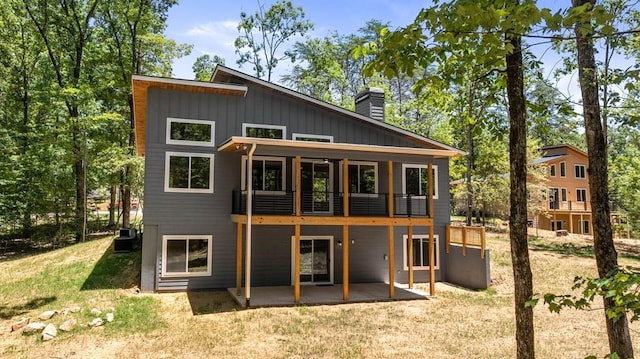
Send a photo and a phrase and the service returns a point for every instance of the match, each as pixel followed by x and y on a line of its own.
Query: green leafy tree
pixel 262 35
pixel 204 66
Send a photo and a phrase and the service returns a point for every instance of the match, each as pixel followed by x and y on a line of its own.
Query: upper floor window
pixel 268 174
pixel 188 172
pixel 264 131
pixel 421 252
pixel 580 171
pixel 311 138
pixel 563 194
pixel 563 169
pixel 181 131
pixel 363 177
pixel 415 180
pixel 552 170
pixel 581 195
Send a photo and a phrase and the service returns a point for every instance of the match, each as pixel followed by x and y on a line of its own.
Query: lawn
pixel 457 323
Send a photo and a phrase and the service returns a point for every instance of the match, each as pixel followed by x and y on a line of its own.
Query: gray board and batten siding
pixel 168 213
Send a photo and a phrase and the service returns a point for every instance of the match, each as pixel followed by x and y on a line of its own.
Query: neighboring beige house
pixel 569 206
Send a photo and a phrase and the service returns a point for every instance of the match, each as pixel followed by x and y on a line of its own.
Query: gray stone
pixel 96 322
pixel 49 332
pixel 33 327
pixel 75 309
pixel 47 315
pixel 19 324
pixel 68 325
pixel 110 317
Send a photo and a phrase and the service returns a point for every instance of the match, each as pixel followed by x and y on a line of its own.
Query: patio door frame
pixel 331 258
pixel 330 184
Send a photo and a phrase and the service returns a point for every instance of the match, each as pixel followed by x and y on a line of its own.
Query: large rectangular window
pixel 264 131
pixel 581 195
pixel 190 132
pixel 580 171
pixel 311 138
pixel 415 180
pixel 186 255
pixel 363 177
pixel 421 251
pixel 188 172
pixel 268 174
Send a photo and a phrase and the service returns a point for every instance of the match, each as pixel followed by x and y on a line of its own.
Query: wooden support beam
pixel 239 259
pixel 430 196
pixel 465 231
pixel 432 260
pixel 571 223
pixel 298 184
pixel 483 242
pixel 390 181
pixel 345 187
pixel 296 289
pixel 392 269
pixel 410 250
pixel 345 262
pixel 448 239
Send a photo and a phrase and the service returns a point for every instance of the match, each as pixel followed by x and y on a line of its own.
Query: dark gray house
pixel 250 184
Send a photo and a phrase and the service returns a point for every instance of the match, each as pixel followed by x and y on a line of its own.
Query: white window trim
pixel 585 195
pixel 366 163
pixel 293 259
pixel 585 171
pixel 243 174
pixel 404 179
pixel 246 125
pixel 566 194
pixel 211 143
pixel 187 190
pixel 555 170
pixel 405 250
pixel 295 136
pixel 185 237
pixel 560 169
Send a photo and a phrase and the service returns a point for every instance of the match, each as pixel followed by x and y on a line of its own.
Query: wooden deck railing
pixel 466 237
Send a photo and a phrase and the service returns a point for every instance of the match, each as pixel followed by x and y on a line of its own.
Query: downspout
pixel 247 275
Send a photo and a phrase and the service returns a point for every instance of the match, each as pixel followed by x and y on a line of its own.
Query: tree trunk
pixel 79 175
pixel 523 282
pixel 603 247
pixel 112 206
pixel 469 170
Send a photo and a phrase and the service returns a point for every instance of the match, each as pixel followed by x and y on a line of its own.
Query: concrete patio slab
pixel 282 296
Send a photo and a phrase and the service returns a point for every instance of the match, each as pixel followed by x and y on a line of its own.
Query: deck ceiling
pixel 141 84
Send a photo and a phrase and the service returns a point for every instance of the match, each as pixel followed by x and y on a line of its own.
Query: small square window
pixel 581 195
pixel 421 251
pixel 363 178
pixel 186 255
pixel 580 171
pixel 188 172
pixel 415 180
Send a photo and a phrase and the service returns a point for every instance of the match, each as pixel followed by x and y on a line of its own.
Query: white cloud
pixel 222 33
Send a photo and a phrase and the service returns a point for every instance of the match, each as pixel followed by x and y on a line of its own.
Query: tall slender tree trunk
pixel 113 197
pixel 523 282
pixel 603 247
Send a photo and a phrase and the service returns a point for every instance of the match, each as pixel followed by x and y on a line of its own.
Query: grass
pixel 457 323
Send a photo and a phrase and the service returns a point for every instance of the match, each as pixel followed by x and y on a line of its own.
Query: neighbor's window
pixel 186 255
pixel 563 194
pixel 363 177
pixel 580 171
pixel 552 170
pixel 190 132
pixel 311 138
pixel 264 131
pixel 268 173
pixel 421 251
pixel 188 172
pixel 563 169
pixel 581 195
pixel 415 180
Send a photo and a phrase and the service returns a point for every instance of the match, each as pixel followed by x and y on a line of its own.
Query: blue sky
pixel 210 26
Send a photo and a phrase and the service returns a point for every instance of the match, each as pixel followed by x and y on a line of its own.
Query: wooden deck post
pixel 581 224
pixel 410 250
pixel 345 262
pixel 571 222
pixel 296 290
pixel 483 242
pixel 464 241
pixel 430 194
pixel 432 259
pixel 448 238
pixel 238 258
pixel 298 185
pixel 392 269
pixel 345 230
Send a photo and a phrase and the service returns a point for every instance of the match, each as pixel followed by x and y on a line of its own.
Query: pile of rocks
pixel 50 331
